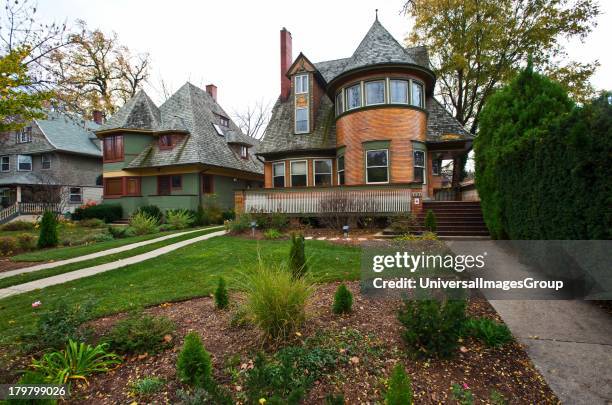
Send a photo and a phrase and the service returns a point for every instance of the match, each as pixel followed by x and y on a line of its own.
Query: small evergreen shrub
pixel 152 211
pixel 141 334
pixel 213 395
pixel 48 231
pixel 143 224
pixel 106 212
pixel 8 245
pixel 221 296
pixel 147 386
pixel 272 234
pixel 430 221
pixel 18 226
pixel 119 232
pixel 229 214
pixel 91 223
pixel 194 366
pixel 492 333
pixel 213 210
pixel 26 241
pixel 180 218
pixel 297 256
pixel 462 395
pixel 343 300
pixel 400 387
pixel 201 217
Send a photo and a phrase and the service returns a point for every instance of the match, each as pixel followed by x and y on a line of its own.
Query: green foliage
pixel 297 256
pixel 32 377
pixel 75 362
pixel 462 395
pixel 119 232
pixel 496 398
pixel 152 211
pixel 343 300
pixel 492 333
pixel 430 221
pixel 106 212
pixel 432 327
pixel 272 234
pixel 400 387
pixel 194 365
pixel 180 218
pixel 275 301
pixel 213 213
pixel 403 224
pixel 18 226
pixel 424 236
pixel 141 334
pixel 48 231
pixel 334 399
pixel 215 394
pixel 221 296
pixel 239 225
pixel 143 224
pixel 277 220
pixel 91 223
pixel 229 214
pixel 147 386
pixel 8 245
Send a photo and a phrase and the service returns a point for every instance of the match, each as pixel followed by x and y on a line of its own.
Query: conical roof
pixel 139 112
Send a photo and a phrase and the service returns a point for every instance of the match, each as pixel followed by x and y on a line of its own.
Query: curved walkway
pixel 90 271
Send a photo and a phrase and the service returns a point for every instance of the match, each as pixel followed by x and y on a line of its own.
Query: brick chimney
pixel 212 90
pixel 286 57
pixel 98 117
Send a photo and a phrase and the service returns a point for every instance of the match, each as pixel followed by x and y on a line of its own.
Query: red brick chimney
pixel 212 90
pixel 286 57
pixel 98 117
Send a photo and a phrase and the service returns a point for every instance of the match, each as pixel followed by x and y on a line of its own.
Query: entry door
pixel 164 185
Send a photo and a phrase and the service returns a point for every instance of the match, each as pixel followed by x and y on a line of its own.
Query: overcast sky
pixel 235 44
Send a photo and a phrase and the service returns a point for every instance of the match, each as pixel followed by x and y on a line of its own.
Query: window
pixel 417 94
pixel 436 165
pixel 322 172
pixel 341 170
pixel 375 92
pixel 24 163
pixel 132 186
pixel 5 163
pixel 24 135
pixel 218 129
pixel 419 165
pixel 113 148
pixel 299 173
pixel 377 166
pixel 221 120
pixel 76 195
pixel 177 182
pixel 45 160
pixel 278 174
pixel 301 120
pixel 399 91
pixel 353 97
pixel 166 142
pixel 244 151
pixel 207 184
pixel 113 186
pixel 301 84
pixel 339 104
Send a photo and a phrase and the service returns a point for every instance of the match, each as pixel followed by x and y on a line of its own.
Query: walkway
pixel 95 255
pixel 90 271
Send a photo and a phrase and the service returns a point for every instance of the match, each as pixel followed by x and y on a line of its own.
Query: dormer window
pixel 301 84
pixel 244 151
pixel 24 135
pixel 221 120
pixel 301 120
pixel 166 142
pixel 218 129
pixel 302 104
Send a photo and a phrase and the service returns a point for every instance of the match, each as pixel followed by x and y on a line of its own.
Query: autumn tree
pixel 478 45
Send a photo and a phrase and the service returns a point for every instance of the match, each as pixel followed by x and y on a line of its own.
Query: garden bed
pixel 368 343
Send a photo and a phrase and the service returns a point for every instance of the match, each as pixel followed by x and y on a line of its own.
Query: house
pixel 56 160
pixel 178 154
pixel 361 134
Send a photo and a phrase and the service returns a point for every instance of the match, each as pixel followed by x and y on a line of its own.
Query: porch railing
pixel 26 208
pixel 331 200
pixel 9 212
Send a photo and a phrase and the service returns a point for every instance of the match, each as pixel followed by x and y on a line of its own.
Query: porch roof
pixel 28 178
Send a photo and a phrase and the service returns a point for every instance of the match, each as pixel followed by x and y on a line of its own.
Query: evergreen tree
pixel 48 231
pixel 194 366
pixel 221 296
pixel 400 387
pixel 430 221
pixel 343 300
pixel 297 256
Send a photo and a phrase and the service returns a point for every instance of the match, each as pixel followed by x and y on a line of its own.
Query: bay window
pixel 375 92
pixel 339 104
pixel 399 91
pixel 377 166
pixel 322 172
pixel 278 174
pixel 419 165
pixel 417 94
pixel 353 97
pixel 341 170
pixel 299 173
pixel 24 163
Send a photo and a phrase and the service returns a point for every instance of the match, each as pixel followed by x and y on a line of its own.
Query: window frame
pixel 436 163
pixel 366 103
pixel 8 163
pixel 244 151
pixel 284 175
pixel 163 146
pixel 291 163
pixel 422 100
pixel 407 83
pixel 42 161
pixel 79 194
pixel 307 130
pixel 347 93
pixel 19 169
pixel 340 102
pixel 301 81
pixel 314 172
pixel 127 189
pixel 172 178
pixel 106 180
pixel 423 167
pixel 116 153
pixel 340 183
pixel 386 150
pixel 208 183
pixel 24 135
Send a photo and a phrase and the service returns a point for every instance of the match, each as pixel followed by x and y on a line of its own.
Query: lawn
pixel 185 273
pixel 67 232
pixel 36 275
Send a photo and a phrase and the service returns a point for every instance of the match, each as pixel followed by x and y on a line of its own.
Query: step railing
pixel 9 212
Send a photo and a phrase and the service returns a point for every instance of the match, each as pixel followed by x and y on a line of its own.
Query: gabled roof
pixel 69 134
pixel 441 125
pixel 139 112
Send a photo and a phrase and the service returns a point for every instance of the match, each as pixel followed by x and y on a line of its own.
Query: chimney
pixel 98 117
pixel 286 57
pixel 212 90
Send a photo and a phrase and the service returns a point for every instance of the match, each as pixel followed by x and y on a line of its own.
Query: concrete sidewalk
pixel 95 255
pixel 90 271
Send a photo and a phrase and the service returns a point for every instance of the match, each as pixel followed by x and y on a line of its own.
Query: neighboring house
pixel 178 154
pixel 56 160
pixel 358 134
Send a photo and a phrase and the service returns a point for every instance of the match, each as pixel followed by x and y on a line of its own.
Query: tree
pixel 478 45
pixel 48 231
pixel 18 103
pixel 254 119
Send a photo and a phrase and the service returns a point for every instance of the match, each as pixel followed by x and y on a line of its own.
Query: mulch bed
pixel 6 264
pixel 507 370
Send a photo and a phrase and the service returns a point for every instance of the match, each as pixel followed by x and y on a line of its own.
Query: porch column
pixel 18 195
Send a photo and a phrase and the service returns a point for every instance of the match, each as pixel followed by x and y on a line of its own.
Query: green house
pixel 178 155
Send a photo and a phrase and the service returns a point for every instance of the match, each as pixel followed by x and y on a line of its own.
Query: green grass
pixel 37 275
pixel 188 272
pixel 65 232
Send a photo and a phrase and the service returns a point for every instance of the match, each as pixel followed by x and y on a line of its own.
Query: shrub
pixel 400 387
pixel 26 241
pixel 492 333
pixel 143 224
pixel 297 256
pixel 272 234
pixel 462 395
pixel 229 214
pixel 277 220
pixel 105 212
pixel 141 334
pixel 147 386
pixel 76 361
pixel 496 398
pixel 32 378
pixel 221 296
pixel 432 327
pixel 213 395
pixel 403 224
pixel 151 211
pixel 194 366
pixel 91 223
pixel 275 301
pixel 8 245
pixel 180 218
pixel 120 231
pixel 201 217
pixel 334 399
pixel 430 221
pixel 212 209
pixel 18 226
pixel 239 225
pixel 343 300
pixel 48 231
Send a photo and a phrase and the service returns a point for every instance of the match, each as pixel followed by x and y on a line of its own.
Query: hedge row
pixel 105 212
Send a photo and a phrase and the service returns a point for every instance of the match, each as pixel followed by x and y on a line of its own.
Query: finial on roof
pixel 376 14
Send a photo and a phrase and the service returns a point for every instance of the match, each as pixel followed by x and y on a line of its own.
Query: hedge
pixel 105 212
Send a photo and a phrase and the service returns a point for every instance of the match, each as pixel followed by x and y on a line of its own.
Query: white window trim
pixel 244 151
pixel 414 151
pixel 8 158
pixel 291 162
pixel 284 176
pixel 42 161
pixel 302 82
pixel 365 85
pixel 346 104
pixel 338 171
pixel 407 102
pixel 314 171
pixel 31 164
pixel 374 167
pixel 70 194
pixel 307 120
pixel 24 134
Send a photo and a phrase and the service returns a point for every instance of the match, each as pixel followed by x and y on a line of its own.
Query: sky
pixel 235 44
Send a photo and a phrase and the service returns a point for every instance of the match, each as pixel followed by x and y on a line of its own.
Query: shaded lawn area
pixel 37 275
pixel 188 272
